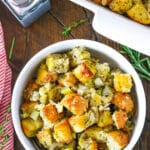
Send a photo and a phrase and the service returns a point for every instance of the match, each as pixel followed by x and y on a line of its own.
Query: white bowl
pixel 98 50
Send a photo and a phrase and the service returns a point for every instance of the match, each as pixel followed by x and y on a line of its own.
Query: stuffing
pixel 123 101
pixel 27 108
pixel 85 71
pixel 122 82
pixel 57 63
pixel 105 119
pixel 139 13
pixel 120 6
pixel 68 80
pixel 81 122
pixel 45 137
pixel 30 126
pixel 75 103
pixel 44 76
pixel 54 94
pixel 120 119
pixel 50 115
pixel 63 132
pixel 117 140
pixel 102 2
pixel 30 88
pixel 103 70
pixel 78 54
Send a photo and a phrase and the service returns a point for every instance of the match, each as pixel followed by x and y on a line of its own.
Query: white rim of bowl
pixel 68 44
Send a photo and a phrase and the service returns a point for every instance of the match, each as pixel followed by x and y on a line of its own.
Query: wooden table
pixel 47 30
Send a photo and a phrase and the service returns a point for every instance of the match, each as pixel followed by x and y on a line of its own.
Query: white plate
pixel 119 28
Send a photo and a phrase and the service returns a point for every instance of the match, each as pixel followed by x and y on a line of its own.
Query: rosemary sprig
pixel 11 48
pixel 142 65
pixel 75 24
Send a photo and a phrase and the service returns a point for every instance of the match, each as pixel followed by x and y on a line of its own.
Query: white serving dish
pixel 101 51
pixel 118 28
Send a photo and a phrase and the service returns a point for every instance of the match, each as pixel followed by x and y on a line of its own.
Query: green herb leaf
pixel 11 48
pixel 9 109
pixel 75 24
pixel 142 65
pixel 1 128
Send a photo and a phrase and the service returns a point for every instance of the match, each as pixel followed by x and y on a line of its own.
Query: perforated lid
pixel 21 3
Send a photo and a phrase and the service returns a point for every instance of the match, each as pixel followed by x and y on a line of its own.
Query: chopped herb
pixel 11 48
pixel 75 24
pixel 1 128
pixel 142 65
pixel 9 109
pixel 6 137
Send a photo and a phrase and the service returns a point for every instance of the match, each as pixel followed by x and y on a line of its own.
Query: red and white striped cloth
pixel 6 128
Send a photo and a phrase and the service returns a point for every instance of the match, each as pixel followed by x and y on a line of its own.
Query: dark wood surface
pixel 47 30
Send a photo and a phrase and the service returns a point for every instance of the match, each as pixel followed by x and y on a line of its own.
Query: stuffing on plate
pixel 138 10
pixel 75 101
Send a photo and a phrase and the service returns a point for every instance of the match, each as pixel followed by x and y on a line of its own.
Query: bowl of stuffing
pixel 78 94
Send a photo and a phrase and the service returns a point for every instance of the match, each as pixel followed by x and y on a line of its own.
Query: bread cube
pixel 68 80
pixel 50 115
pixel 85 71
pixel 57 63
pixel 44 76
pixel 105 119
pixel 45 137
pixel 30 88
pixel 78 54
pixel 120 118
pixel 30 126
pixel 123 101
pixel 27 108
pixel 122 82
pixel 75 103
pixel 82 122
pixel 117 140
pixel 63 132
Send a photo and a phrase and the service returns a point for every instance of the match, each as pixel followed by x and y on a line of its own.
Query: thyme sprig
pixel 75 24
pixel 142 65
pixel 11 48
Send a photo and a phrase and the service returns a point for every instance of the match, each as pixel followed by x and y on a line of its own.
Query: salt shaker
pixel 27 11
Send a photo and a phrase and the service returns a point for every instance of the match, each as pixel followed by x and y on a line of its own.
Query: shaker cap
pixel 21 3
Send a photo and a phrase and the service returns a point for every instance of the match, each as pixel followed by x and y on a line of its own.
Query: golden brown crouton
pixel 63 132
pixel 50 114
pixel 120 6
pixel 75 103
pixel 122 82
pixel 117 140
pixel 85 71
pixel 78 123
pixel 105 118
pixel 32 86
pixel 68 80
pixel 45 137
pixel 124 102
pixel 102 2
pixel 139 13
pixel 120 119
pixel 28 107
pixel 82 122
pixel 30 126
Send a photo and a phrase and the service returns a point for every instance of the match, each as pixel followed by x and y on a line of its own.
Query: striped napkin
pixel 6 128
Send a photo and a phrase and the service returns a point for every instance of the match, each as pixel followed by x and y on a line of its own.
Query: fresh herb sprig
pixel 11 48
pixel 142 65
pixel 75 24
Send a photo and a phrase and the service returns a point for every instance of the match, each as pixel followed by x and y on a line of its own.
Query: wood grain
pixel 47 30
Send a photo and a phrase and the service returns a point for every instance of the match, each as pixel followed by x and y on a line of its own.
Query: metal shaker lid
pixel 21 3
